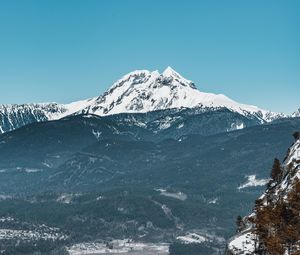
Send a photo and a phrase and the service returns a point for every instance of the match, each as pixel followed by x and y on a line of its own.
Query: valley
pixel 118 174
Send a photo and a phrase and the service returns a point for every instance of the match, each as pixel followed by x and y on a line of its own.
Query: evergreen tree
pixel 239 223
pixel 276 170
pixel 296 135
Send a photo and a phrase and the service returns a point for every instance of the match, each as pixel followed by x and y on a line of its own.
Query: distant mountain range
pixel 92 176
pixel 153 160
pixel 137 92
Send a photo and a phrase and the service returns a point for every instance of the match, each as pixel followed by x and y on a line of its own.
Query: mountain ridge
pixel 139 91
pixel 296 113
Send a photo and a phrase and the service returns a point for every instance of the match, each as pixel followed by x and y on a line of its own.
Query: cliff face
pixel 274 226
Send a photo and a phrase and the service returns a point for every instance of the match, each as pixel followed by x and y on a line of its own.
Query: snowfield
pixel 192 238
pixel 126 247
pixel 243 244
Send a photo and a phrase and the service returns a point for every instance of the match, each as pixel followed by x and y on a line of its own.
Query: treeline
pixel 178 248
pixel 278 225
pixel 41 247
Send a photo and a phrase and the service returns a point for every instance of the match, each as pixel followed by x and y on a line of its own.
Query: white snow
pixel 126 246
pixel 144 91
pixel 138 91
pixel 6 234
pixel 243 244
pixel 253 182
pixel 38 232
pixel 97 134
pixel 6 219
pixel 177 195
pixel 239 126
pixel 294 153
pixel 192 238
pixel 181 125
pixel 5 197
pixel 213 201
pixel 32 170
pixel 290 163
pixel 28 170
pixel 46 164
pixel 67 198
pixel 296 113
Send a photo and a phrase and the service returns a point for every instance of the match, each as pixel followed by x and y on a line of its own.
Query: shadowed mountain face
pixel 99 174
pixel 48 144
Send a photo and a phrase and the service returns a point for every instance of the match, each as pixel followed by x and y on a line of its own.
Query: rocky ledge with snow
pixel 274 225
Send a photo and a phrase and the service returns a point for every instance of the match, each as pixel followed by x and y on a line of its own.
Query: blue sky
pixel 63 50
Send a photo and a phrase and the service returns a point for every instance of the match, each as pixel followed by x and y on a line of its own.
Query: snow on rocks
pixel 177 195
pixel 144 91
pixel 243 244
pixel 296 113
pixel 138 91
pixel 34 232
pixel 125 246
pixel 67 198
pixel 253 182
pixel 192 238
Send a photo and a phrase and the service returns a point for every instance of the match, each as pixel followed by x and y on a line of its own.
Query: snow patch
pixel 66 198
pixel 213 201
pixel 192 238
pixel 244 244
pixel 253 182
pixel 97 134
pixel 177 195
pixel 126 246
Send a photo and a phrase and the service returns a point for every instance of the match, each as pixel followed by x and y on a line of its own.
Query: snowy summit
pixel 144 91
pixel 136 92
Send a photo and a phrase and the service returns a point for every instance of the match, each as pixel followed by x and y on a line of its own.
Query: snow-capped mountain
pixel 14 116
pixel 276 212
pixel 144 91
pixel 136 92
pixel 296 113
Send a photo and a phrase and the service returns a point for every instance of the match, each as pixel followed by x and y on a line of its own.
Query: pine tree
pixel 292 219
pixel 296 135
pixel 276 171
pixel 239 223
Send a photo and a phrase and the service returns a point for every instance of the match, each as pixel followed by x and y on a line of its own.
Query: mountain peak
pixel 170 71
pixel 296 113
pixel 145 91
pixel 140 91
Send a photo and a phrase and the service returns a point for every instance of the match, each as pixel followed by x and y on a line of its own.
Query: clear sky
pixel 59 50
